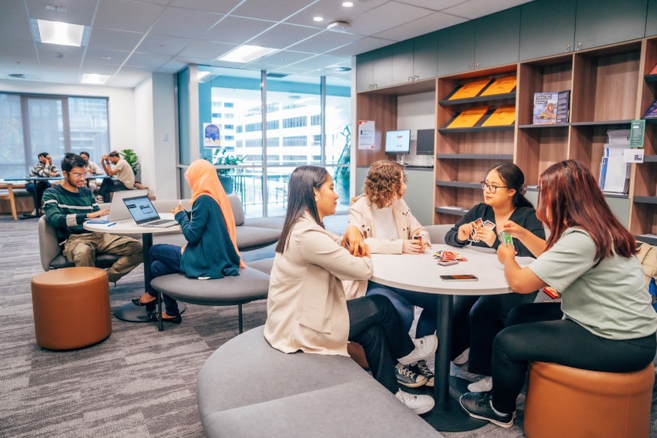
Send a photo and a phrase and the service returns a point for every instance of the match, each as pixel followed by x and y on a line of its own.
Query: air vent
pixel 17 75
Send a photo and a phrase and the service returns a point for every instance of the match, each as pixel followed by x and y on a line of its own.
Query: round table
pixel 130 312
pixel 421 273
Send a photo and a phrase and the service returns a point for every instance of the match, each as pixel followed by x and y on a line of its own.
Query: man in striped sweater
pixel 68 205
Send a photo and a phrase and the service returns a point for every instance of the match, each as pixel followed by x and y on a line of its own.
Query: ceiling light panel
pixel 246 53
pixel 58 32
pixel 95 79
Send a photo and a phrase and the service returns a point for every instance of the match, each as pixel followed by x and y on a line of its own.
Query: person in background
pixel 68 205
pixel 92 169
pixel 211 249
pixel 388 227
pixel 306 307
pixel 478 319
pixel 609 324
pixel 114 165
pixel 44 169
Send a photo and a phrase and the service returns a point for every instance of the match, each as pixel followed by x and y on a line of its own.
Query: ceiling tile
pixel 384 17
pixel 105 57
pixel 99 69
pixel 12 29
pixel 77 11
pixel 283 35
pixel 146 60
pixel 331 10
pixel 421 26
pixel 60 76
pixel 263 8
pixel 221 6
pixel 436 5
pixel 128 77
pixel 207 50
pixel 15 8
pixel 127 15
pixel 284 57
pixel 172 66
pixel 317 62
pixel 360 46
pixel 237 30
pixel 18 48
pixel 184 23
pixel 18 63
pixel 326 41
pixel 163 45
pixel 114 39
pixel 478 8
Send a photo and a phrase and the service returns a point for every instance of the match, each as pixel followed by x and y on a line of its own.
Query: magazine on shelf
pixel 468 118
pixel 503 85
pixel 651 113
pixel 470 89
pixel 551 108
pixel 503 116
pixel 614 171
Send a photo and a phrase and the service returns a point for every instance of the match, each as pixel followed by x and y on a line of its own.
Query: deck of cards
pixel 505 239
pixel 448 256
pixel 479 223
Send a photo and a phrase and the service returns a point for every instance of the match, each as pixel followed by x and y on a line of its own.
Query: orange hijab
pixel 203 180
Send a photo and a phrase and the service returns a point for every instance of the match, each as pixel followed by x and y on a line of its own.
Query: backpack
pixel 647 255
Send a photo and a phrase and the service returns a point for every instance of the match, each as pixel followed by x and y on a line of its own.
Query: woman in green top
pixel 608 325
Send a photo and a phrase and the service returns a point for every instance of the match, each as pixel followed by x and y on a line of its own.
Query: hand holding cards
pixel 505 239
pixel 477 225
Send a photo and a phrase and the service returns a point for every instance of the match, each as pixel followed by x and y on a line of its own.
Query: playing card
pixel 489 225
pixel 477 224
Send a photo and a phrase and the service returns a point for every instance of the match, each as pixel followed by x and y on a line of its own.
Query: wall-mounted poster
pixel 366 131
pixel 211 136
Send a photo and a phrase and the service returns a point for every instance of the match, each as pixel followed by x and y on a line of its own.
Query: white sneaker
pixel 462 358
pixel 424 348
pixel 483 385
pixel 420 404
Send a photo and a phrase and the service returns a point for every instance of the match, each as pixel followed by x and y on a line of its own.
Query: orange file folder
pixel 503 116
pixel 471 89
pixel 468 118
pixel 502 85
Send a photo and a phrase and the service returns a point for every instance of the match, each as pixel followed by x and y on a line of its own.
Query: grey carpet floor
pixel 137 383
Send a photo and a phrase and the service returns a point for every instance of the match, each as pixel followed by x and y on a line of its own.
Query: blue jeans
pixel 404 301
pixel 165 259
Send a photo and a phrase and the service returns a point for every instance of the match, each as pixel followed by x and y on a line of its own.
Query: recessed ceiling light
pixel 58 32
pixel 318 18
pixel 347 4
pixel 93 78
pixel 246 53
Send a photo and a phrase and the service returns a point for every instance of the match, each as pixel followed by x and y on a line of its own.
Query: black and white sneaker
pixel 421 367
pixel 407 377
pixel 479 405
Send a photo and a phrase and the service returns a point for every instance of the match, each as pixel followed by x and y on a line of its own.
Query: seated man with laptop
pixel 68 205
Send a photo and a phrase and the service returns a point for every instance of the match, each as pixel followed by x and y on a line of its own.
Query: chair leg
pixel 239 313
pixel 13 209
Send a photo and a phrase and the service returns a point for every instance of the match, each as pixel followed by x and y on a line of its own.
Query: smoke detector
pixel 339 26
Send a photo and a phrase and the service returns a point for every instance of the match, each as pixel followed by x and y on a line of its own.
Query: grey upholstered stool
pixel 249 286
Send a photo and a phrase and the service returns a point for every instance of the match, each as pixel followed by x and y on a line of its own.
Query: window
pixel 229 137
pixel 253 127
pixel 229 127
pixel 295 122
pixel 298 140
pixel 239 129
pixel 316 120
pixel 228 104
pixel 317 140
pixel 253 143
pixel 273 124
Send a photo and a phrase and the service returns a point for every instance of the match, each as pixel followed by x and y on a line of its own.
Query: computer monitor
pixel 424 144
pixel 398 142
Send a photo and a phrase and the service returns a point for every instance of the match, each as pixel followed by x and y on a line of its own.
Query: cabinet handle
pixel 410 79
pixel 579 46
pixel 477 65
pixel 469 66
pixel 567 47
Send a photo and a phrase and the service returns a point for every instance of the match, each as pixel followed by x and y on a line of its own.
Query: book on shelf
pixel 614 171
pixel 502 85
pixel 653 71
pixel 468 118
pixel 619 137
pixel 551 108
pixel 651 113
pixel 503 116
pixel 470 89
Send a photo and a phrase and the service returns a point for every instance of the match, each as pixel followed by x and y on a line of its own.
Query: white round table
pixel 130 312
pixel 421 273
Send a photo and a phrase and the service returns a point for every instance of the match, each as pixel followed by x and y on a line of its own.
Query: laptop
pixel 118 210
pixel 144 214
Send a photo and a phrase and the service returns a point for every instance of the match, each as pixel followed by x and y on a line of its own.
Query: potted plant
pixel 224 174
pixel 131 157
pixel 342 174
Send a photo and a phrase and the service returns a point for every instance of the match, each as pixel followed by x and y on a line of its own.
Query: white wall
pixel 417 111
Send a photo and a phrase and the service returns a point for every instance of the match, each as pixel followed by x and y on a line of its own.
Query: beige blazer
pixel 306 305
pixel 360 215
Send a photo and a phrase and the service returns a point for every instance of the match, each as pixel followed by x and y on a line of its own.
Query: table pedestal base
pixel 131 313
pixel 449 416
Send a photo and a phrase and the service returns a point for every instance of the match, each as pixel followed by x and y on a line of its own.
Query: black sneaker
pixel 422 368
pixel 407 377
pixel 478 405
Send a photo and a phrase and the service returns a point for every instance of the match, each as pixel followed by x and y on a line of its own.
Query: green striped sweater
pixel 66 211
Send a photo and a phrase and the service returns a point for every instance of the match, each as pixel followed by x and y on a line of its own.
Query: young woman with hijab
pixel 306 307
pixel 608 325
pixel 211 249
pixel 477 320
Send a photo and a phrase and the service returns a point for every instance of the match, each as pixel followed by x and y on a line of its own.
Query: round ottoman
pixel 71 307
pixel 570 402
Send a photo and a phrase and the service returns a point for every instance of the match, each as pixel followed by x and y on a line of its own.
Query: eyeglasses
pixel 78 175
pixel 491 188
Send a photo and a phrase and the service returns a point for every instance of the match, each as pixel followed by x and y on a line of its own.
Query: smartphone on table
pixel 459 277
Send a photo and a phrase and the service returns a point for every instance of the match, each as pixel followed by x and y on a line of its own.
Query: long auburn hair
pixel 570 197
pixel 383 182
pixel 301 199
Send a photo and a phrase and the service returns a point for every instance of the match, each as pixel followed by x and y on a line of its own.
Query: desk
pixel 130 312
pixel 420 273
pixel 35 194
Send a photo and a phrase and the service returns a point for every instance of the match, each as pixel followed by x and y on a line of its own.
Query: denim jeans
pixel 165 259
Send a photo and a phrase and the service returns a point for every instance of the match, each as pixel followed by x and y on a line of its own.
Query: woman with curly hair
pixel 388 227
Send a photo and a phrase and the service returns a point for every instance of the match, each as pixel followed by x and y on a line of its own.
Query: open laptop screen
pixel 141 209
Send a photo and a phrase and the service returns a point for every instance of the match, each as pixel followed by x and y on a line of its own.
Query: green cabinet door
pixel 651 22
pixel 497 39
pixel 425 56
pixel 382 67
pixel 602 22
pixel 364 71
pixel 402 62
pixel 456 49
pixel 547 27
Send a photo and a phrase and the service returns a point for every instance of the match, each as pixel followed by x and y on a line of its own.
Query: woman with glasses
pixel 478 319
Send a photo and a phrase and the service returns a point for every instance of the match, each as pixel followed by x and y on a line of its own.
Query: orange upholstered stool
pixel 574 403
pixel 71 308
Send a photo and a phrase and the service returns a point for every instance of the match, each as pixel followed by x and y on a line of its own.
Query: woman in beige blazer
pixel 307 309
